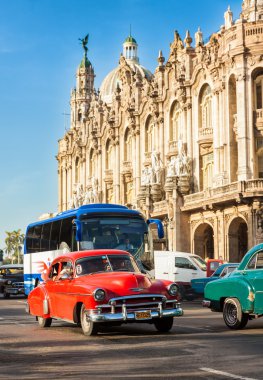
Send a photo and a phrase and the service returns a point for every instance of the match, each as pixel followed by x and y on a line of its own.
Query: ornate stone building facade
pixel 184 144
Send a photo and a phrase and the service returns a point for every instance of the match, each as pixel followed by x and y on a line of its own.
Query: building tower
pixel 82 94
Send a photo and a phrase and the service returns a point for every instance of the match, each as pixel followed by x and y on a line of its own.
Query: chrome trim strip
pixel 130 316
pixel 146 295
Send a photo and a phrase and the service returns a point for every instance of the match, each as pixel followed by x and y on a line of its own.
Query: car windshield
pixel 11 271
pixel 128 234
pixel 105 263
pixel 200 262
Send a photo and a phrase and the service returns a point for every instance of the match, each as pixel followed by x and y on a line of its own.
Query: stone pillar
pixel 59 187
pixel 242 140
pixel 215 123
pixel 116 172
pixel 64 188
pixel 138 163
pixel 221 236
pixel 69 185
pixel 99 162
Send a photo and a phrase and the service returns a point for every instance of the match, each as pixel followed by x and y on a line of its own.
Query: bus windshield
pixel 115 233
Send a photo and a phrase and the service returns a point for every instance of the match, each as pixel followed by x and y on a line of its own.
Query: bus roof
pixel 96 208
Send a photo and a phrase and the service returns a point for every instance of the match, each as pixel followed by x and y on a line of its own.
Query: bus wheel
pixel 44 322
pixel 88 327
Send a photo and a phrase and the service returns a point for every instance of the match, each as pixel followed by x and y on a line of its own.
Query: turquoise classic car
pixel 239 296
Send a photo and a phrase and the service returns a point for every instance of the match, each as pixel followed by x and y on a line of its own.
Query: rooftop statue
pixel 84 42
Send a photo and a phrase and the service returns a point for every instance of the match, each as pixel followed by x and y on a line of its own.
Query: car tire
pixel 88 327
pixel 164 324
pixel 6 295
pixel 44 322
pixel 233 316
pixel 181 292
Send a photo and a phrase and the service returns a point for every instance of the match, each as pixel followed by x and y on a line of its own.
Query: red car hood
pixel 124 283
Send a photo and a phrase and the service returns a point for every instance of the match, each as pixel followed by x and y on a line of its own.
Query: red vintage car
pixel 98 287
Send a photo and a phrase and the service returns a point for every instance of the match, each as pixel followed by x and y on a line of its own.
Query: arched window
pixel 258 91
pixel 206 157
pixel 149 136
pixel 205 109
pixel 232 104
pixel 260 165
pixel 175 129
pixel 127 146
pixel 92 167
pixel 77 170
pixel 109 155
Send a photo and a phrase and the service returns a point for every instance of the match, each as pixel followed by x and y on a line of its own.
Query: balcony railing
pixel 223 194
pixel 205 133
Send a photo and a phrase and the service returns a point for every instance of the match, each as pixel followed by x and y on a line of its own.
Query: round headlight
pixel 99 294
pixel 173 289
pixel 9 282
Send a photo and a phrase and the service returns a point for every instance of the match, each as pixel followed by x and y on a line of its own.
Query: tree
pixel 14 241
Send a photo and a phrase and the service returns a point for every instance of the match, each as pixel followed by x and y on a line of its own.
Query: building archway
pixel 204 241
pixel 237 239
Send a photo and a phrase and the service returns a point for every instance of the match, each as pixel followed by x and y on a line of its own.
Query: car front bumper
pixel 127 316
pixel 14 291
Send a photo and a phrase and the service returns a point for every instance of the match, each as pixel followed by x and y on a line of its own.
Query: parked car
pixel 180 267
pixel 212 265
pixel 240 295
pixel 98 287
pixel 11 280
pixel 198 284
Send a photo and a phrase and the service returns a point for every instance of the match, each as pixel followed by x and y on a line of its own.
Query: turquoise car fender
pixel 234 286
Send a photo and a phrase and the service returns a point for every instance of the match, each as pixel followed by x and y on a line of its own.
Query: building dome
pixel 130 39
pixel 112 80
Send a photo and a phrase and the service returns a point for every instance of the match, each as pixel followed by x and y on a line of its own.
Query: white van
pixel 179 267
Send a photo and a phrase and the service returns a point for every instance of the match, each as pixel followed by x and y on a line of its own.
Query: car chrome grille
pixel 135 303
pixel 17 284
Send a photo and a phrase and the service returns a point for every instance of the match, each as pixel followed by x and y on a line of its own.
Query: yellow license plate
pixel 143 314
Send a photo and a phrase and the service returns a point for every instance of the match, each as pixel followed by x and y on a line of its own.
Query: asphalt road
pixel 199 346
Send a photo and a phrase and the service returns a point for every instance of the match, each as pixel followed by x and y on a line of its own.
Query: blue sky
pixel 39 55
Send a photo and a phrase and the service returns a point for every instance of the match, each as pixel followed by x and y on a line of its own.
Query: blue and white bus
pixel 93 226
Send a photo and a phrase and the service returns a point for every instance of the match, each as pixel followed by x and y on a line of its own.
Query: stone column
pixel 69 184
pixel 189 137
pixel 138 163
pixel 99 162
pixel 64 188
pixel 59 187
pixel 242 140
pixel 221 236
pixel 116 174
pixel 215 124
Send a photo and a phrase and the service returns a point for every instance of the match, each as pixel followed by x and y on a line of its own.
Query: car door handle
pixel 165 272
pixel 194 273
pixel 175 272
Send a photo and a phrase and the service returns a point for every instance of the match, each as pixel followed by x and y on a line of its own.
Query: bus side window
pixel 45 237
pixel 54 236
pixel 36 238
pixel 66 231
pixel 29 240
